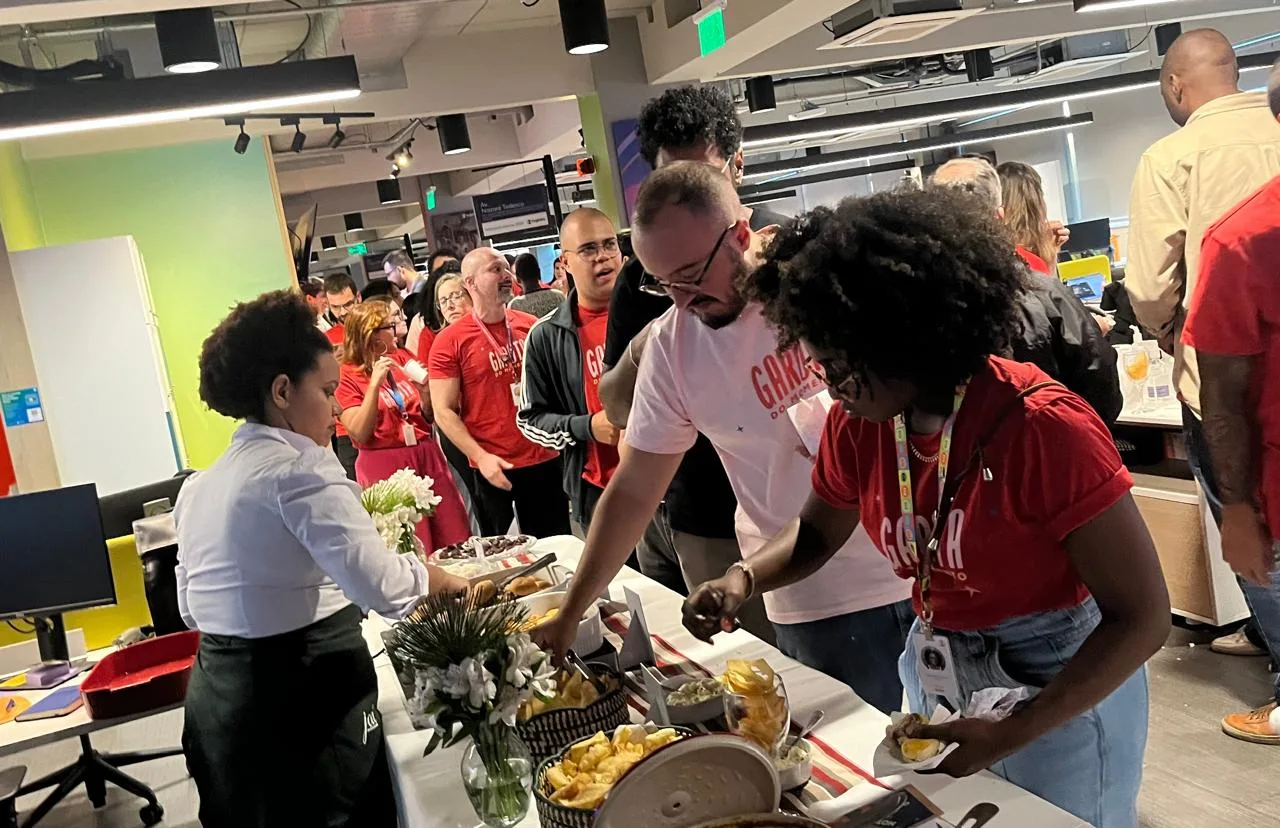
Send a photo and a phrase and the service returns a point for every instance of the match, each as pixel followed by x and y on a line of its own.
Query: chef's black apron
pixel 285 731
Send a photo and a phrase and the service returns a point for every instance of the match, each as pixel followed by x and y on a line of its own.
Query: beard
pixel 718 313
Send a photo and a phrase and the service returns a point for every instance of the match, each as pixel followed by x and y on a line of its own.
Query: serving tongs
pixel 572 659
pixel 517 572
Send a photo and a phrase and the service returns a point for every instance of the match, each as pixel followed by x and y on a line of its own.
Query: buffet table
pixel 429 791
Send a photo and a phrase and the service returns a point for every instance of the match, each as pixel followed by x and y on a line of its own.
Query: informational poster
pixel 21 407
pixel 632 168
pixel 512 211
pixel 455 231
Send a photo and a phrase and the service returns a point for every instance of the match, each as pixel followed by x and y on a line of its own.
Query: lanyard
pixel 508 354
pixel 924 562
pixel 397 397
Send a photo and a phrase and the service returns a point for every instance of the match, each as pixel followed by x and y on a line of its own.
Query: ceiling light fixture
pixel 454 136
pixel 939 142
pixel 760 94
pixel 81 107
pixel 353 222
pixel 585 24
pixel 402 156
pixel 299 138
pixel 188 41
pixel 328 243
pixel 388 191
pixel 1112 5
pixel 336 139
pixel 770 135
pixel 242 141
pixel 791 179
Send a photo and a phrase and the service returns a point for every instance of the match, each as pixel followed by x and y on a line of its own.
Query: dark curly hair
pixel 689 115
pixel 258 341
pixel 911 286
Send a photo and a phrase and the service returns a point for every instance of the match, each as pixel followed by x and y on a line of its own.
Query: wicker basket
pixel 554 815
pixel 550 732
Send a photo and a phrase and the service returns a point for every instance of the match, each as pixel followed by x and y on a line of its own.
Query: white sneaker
pixel 1236 644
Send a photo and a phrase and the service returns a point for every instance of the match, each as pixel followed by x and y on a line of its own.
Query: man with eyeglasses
pixel 341 296
pixel 715 367
pixel 474 370
pixel 690 123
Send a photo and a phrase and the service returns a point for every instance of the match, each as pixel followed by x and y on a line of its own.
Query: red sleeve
pixel 835 474
pixel 1219 321
pixel 423 348
pixel 334 335
pixel 352 384
pixel 442 362
pixel 1071 469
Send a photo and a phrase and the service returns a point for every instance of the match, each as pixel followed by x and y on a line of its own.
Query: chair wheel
pixel 151 814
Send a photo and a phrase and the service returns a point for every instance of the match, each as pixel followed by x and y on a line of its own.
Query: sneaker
pixel 1261 726
pixel 1236 644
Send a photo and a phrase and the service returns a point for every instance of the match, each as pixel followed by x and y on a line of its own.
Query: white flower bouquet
pixel 397 504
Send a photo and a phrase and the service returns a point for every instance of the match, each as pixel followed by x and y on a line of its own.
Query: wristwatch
pixel 748 572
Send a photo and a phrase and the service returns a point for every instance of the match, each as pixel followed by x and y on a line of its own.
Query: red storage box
pixel 148 675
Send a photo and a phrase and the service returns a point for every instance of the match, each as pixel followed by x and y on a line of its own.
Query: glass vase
pixel 497 772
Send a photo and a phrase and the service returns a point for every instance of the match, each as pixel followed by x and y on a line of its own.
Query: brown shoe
pixel 1261 726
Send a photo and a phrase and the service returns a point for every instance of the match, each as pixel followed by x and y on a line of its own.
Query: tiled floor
pixel 1195 776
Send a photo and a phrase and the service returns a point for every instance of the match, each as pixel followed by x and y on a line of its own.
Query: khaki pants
pixel 702 559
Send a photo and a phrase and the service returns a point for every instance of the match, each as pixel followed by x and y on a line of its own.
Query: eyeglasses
pixel 345 306
pixel 830 378
pixel 392 323
pixel 656 287
pixel 592 250
pixel 452 299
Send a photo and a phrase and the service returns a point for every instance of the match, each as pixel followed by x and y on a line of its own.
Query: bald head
pixel 488 278
pixel 692 185
pixel 583 219
pixel 1273 90
pixel 589 250
pixel 973 175
pixel 1199 67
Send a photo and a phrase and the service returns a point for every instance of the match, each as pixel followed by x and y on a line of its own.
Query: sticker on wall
pixel 21 407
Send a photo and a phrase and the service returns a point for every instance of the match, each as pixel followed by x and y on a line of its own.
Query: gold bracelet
pixel 748 572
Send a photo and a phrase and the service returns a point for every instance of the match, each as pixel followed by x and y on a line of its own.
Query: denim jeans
pixel 1092 765
pixel 1263 602
pixel 859 648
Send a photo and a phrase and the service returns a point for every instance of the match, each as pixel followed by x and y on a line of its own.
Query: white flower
pixel 529 669
pixel 481 687
pixel 455 682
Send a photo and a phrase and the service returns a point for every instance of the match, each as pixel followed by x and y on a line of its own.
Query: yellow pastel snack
pixel 591 767
pixel 915 750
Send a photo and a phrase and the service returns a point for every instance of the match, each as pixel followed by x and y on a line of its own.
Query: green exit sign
pixel 711 32
pixel 431 200
pixel 360 249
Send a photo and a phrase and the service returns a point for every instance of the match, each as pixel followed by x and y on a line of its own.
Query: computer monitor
pixel 1087 238
pixel 53 558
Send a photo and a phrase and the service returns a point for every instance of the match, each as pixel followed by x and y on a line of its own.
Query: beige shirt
pixel 1185 182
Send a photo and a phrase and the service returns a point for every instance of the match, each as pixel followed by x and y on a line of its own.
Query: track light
pixel 760 96
pixel 401 157
pixel 353 221
pixel 395 170
pixel 299 139
pixel 328 243
pixel 388 191
pixel 188 41
pixel 336 139
pixel 585 24
pixel 452 129
pixel 1112 5
pixel 242 141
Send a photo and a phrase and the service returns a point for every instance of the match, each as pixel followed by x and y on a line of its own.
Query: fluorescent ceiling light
pixel 867 154
pixel 1112 5
pixel 81 107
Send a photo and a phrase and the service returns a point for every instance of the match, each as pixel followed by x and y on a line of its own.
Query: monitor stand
pixel 51 636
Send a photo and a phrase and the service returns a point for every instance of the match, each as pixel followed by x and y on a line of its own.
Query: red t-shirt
pixel 334 335
pixel 1054 468
pixel 463 351
pixel 1235 311
pixel 389 430
pixel 602 459
pixel 1033 261
pixel 423 345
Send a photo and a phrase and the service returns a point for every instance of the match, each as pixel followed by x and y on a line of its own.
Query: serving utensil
pixel 517 572
pixel 814 721
pixel 981 814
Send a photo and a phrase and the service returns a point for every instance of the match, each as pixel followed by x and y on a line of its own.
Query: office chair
pixel 10 780
pixel 93 768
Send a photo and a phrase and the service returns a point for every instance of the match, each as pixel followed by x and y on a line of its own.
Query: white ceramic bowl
pixel 590 628
pixel 799 773
pixel 685 714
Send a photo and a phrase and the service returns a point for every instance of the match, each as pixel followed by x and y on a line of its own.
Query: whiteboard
pixel 98 363
pixel 1055 194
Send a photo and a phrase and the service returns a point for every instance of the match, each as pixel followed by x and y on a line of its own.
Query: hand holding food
pixel 713 606
pixel 591 768
pixel 981 742
pixel 915 749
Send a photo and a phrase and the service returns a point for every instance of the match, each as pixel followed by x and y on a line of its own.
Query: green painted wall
pixel 595 137
pixel 208 225
pixel 19 216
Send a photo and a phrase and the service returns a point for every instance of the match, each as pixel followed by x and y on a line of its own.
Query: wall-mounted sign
pixel 21 407
pixel 513 211
pixel 358 249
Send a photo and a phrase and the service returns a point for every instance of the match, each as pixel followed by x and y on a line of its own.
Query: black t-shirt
pixel 700 501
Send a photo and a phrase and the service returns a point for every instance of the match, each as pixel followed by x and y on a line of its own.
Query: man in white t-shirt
pixel 712 365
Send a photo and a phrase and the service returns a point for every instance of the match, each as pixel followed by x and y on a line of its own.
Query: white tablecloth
pixel 429 790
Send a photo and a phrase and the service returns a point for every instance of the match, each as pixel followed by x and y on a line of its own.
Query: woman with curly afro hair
pixel 996 489
pixel 277 566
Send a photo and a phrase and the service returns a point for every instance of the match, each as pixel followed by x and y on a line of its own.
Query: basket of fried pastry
pixel 582 706
pixel 569 786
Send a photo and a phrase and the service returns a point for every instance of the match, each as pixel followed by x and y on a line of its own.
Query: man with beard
pixel 712 365
pixel 560 407
pixel 475 366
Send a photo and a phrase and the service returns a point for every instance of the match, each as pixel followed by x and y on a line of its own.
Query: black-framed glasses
pixel 654 286
pixel 592 250
pixel 452 299
pixel 392 323
pixel 832 378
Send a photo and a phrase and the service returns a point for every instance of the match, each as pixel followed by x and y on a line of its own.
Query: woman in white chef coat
pixel 277 564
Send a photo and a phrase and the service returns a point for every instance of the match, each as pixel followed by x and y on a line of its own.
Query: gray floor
pixel 1195 776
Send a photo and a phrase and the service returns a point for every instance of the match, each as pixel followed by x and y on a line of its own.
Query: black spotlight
pixel 188 40
pixel 585 24
pixel 242 141
pixel 388 191
pixel 299 139
pixel 760 97
pixel 328 243
pixel 454 137
pixel 353 221
pixel 336 139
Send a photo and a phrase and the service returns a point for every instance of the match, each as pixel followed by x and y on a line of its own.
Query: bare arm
pixel 618 385
pixel 446 396
pixel 1228 425
pixel 361 420
pixel 424 395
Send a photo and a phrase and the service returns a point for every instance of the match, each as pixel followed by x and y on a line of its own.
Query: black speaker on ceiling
pixel 353 221
pixel 388 191
pixel 1166 33
pixel 454 136
pixel 760 95
pixel 978 65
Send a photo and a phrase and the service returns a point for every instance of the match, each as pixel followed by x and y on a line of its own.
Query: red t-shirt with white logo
pixel 602 459
pixel 389 431
pixel 1054 468
pixel 334 335
pixel 464 351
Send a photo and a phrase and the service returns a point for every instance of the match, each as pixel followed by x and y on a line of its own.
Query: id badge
pixel 410 436
pixel 515 393
pixel 936 667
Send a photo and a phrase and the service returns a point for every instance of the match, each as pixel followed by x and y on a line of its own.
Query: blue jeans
pixel 859 648
pixel 1092 765
pixel 1263 602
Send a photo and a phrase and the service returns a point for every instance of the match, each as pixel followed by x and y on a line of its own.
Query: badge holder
pixel 936 667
